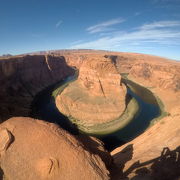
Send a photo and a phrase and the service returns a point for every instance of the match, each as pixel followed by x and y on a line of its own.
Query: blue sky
pixel 144 26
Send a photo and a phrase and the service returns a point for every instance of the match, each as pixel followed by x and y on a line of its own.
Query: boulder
pixel 36 150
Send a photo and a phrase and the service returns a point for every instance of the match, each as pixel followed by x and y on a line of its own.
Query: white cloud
pixel 160 24
pixel 59 23
pixel 104 26
pixel 161 32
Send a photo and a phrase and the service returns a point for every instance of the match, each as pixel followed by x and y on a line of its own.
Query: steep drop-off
pixel 36 150
pixel 22 77
pixel 152 155
pixel 98 96
pixel 155 153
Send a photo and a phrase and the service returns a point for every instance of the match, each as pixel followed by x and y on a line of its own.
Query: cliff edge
pixel 97 96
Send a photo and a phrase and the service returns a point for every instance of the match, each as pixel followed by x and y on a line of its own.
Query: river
pixel 43 107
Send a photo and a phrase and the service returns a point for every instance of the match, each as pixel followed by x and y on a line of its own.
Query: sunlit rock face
pixel 100 77
pixel 98 96
pixel 164 75
pixel 36 150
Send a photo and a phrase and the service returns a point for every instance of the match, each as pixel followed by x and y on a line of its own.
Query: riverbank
pixel 104 129
pixel 136 119
pixel 101 129
pixel 132 110
pixel 147 95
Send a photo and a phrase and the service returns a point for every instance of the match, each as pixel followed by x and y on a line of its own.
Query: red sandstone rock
pixel 22 77
pixel 155 153
pixel 97 96
pixel 100 77
pixel 162 76
pixel 35 150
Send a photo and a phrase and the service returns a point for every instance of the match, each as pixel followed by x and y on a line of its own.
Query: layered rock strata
pixel 32 149
pixel 155 153
pixel 98 96
pixel 164 75
pixel 152 155
pixel 22 77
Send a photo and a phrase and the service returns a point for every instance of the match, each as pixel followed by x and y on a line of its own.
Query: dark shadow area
pixel 31 74
pixel 120 159
pixel 167 165
pixel 112 142
pixel 124 156
pixel 142 173
pixel 140 122
pixel 44 107
pixel 1 174
pixel 95 146
pixel 112 57
pixel 164 167
pixel 145 94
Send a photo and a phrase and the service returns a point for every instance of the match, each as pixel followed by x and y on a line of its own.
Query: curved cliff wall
pixel 165 76
pixel 22 77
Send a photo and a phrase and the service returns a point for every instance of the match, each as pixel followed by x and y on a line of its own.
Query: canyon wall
pixel 162 75
pixel 97 96
pixel 153 153
pixel 22 77
pixel 100 77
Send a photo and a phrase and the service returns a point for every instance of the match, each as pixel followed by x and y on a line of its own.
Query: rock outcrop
pixel 164 75
pixel 36 150
pixel 98 96
pixel 155 153
pixel 152 155
pixel 22 77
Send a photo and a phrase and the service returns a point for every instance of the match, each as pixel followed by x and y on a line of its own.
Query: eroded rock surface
pixel 22 77
pixel 165 75
pixel 43 151
pixel 155 154
pixel 98 96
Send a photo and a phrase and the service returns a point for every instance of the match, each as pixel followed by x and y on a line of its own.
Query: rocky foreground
pixel 98 96
pixel 155 154
pixel 36 150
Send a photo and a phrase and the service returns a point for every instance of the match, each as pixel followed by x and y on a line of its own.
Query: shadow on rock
pixel 164 167
pixel 167 166
pixel 120 159
pixel 1 174
pixel 95 146
pixel 111 142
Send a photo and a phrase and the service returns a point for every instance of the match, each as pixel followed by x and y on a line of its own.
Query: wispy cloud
pixel 162 32
pixel 58 24
pixel 76 42
pixel 104 26
pixel 160 24
pixel 137 13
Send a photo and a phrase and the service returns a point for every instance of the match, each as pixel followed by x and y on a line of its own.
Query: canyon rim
pixel 147 156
